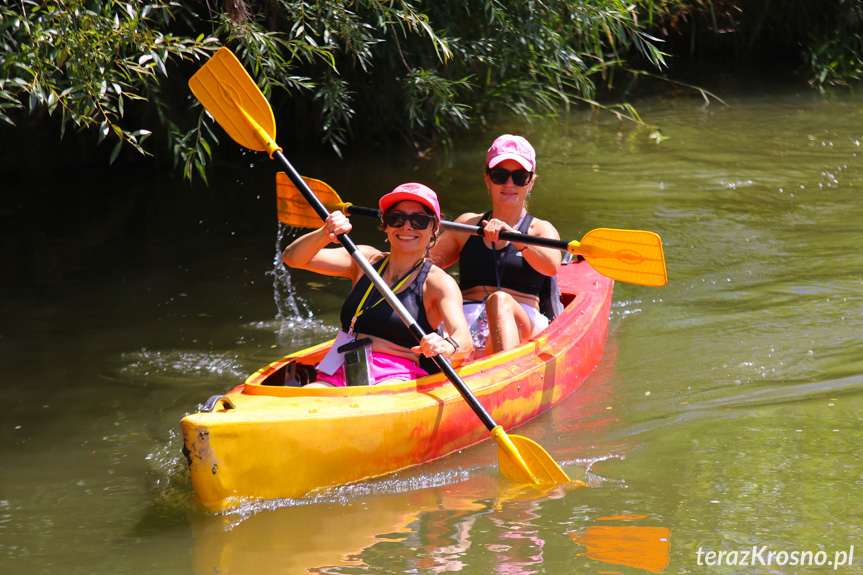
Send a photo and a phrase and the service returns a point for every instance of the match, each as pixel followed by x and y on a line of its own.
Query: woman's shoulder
pixel 439 278
pixel 470 218
pixel 539 227
pixel 372 254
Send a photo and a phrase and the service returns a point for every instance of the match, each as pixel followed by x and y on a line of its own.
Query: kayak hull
pixel 265 441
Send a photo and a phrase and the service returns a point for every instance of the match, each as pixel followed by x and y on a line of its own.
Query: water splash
pixel 591 478
pixel 345 494
pixel 290 306
pixel 492 487
pixel 145 362
pixel 295 321
pixel 169 475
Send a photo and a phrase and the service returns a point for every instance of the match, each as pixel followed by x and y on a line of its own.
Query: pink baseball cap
pixel 509 147
pixel 412 192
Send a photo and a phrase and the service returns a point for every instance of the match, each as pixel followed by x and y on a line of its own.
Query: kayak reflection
pixel 430 529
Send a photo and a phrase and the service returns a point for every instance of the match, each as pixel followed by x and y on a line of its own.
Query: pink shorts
pixel 384 366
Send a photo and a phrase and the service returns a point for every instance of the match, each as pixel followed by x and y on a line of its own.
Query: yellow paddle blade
pixel 633 256
pixel 294 210
pixel 227 91
pixel 522 460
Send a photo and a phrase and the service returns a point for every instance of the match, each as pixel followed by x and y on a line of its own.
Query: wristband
pixel 453 343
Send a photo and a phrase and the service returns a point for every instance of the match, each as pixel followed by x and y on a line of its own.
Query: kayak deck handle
pixel 215 400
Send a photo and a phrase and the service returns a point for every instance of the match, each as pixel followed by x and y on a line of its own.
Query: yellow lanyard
pixel 401 282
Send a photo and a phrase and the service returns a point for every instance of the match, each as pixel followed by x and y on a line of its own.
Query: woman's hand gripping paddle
pixel 632 256
pixel 227 91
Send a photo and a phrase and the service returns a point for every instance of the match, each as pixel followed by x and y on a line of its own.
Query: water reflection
pixel 642 547
pixel 433 530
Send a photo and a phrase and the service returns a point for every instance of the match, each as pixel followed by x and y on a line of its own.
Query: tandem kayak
pixel 268 440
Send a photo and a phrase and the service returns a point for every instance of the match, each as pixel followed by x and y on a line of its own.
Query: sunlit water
pixel 726 413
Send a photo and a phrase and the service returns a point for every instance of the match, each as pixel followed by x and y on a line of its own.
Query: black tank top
pixel 477 266
pixel 381 320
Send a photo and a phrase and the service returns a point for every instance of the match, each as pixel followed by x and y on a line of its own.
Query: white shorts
pixel 474 312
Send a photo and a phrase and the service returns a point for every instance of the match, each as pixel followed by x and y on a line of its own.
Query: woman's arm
pixel 443 303
pixel 447 249
pixel 307 251
pixel 544 260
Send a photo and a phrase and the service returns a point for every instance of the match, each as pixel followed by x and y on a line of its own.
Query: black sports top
pixel 477 265
pixel 381 320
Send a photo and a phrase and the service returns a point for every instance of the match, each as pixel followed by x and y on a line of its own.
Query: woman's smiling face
pixel 407 237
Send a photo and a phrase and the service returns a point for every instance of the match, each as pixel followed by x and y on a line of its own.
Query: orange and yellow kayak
pixel 266 440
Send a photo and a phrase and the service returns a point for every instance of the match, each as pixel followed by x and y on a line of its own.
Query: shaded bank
pixel 823 40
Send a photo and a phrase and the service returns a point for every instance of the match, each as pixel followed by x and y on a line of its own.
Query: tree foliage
pixel 337 72
pixel 87 61
pixel 421 71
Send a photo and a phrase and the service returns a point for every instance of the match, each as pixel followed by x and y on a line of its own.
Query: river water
pixel 725 416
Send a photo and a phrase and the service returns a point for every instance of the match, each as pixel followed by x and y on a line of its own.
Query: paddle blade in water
pixel 227 91
pixel 633 256
pixel 293 209
pixel 540 464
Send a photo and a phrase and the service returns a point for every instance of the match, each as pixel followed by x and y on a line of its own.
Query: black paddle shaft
pixel 346 242
pixel 475 230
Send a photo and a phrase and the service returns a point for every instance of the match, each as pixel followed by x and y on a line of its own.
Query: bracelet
pixel 452 342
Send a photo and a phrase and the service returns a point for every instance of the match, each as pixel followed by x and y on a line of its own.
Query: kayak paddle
pixel 632 256
pixel 230 95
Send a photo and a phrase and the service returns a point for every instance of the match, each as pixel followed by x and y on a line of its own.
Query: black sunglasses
pixel 398 219
pixel 500 176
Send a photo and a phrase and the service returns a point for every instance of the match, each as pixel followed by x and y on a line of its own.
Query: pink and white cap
pixel 509 147
pixel 413 192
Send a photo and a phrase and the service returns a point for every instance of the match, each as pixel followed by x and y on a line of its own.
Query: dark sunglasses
pixel 500 176
pixel 398 219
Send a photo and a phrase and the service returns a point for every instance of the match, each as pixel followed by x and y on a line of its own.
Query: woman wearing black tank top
pixel 502 280
pixel 411 219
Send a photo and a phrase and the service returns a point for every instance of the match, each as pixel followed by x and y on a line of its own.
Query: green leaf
pixel 116 152
pixel 201 171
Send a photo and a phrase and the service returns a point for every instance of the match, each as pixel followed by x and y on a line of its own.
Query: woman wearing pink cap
pixel 501 281
pixel 411 219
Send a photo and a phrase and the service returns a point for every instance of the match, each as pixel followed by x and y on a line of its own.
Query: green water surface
pixel 725 416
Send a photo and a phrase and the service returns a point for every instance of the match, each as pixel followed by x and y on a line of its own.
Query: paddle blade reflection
pixel 641 547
